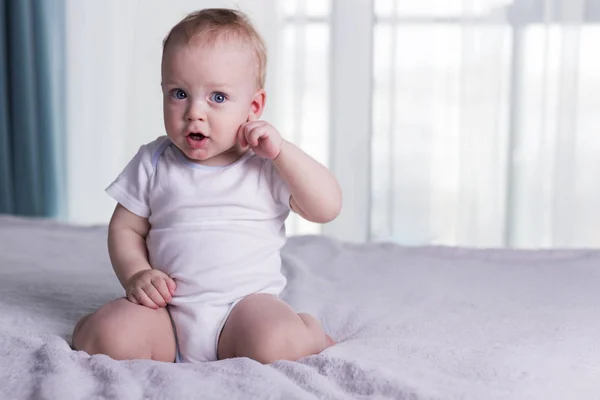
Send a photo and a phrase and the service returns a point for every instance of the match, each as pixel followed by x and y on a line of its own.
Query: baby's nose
pixel 196 111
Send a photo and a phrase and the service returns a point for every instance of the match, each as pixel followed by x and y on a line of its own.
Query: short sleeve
pixel 131 187
pixel 279 188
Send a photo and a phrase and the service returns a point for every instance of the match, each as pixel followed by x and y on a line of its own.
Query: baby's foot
pixel 329 341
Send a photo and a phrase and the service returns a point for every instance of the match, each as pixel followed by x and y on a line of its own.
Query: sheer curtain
pixel 486 123
pixel 458 122
pixel 300 90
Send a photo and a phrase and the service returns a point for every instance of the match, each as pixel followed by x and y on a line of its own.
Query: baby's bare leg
pixel 123 330
pixel 266 329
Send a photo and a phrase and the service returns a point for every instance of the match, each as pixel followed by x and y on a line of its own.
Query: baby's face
pixel 208 93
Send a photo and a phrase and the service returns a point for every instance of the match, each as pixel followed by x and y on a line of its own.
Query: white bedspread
pixel 413 323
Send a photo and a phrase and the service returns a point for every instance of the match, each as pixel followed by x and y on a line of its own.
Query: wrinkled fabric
pixel 413 323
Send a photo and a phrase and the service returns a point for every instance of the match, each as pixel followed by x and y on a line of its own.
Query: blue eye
pixel 218 97
pixel 178 94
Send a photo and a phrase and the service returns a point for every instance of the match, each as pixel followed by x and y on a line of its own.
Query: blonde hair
pixel 212 24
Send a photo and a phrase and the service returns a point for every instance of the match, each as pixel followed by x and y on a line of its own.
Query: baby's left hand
pixel 262 137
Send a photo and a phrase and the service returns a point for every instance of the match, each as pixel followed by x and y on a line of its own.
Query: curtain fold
pixel 486 127
pixel 32 107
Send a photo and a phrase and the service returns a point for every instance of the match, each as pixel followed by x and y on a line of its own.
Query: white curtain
pixel 486 123
pixel 458 122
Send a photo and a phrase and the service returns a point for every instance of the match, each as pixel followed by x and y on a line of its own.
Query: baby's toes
pixel 329 341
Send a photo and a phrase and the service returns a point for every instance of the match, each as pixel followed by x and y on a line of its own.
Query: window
pixel 481 124
pixel 303 85
pixel 483 117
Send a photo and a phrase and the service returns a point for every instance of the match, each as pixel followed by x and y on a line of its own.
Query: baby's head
pixel 213 75
pixel 209 26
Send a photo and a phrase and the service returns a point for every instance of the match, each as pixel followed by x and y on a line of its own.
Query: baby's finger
pixel 144 300
pixel 245 131
pixel 250 126
pixel 161 285
pixel 241 136
pixel 154 295
pixel 132 299
pixel 171 285
pixel 255 135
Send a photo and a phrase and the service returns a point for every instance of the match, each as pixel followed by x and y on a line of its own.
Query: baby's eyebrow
pixel 209 85
pixel 170 83
pixel 217 85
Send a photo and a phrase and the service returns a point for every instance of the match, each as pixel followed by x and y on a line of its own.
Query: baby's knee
pixel 77 336
pixel 93 336
pixel 318 335
pixel 99 333
pixel 283 342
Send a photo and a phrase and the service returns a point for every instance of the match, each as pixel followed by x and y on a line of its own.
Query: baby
pixel 196 235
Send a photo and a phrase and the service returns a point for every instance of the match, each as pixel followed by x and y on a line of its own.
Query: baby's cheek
pixel 231 123
pixel 173 129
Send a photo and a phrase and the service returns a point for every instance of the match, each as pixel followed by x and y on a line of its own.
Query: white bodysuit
pixel 217 231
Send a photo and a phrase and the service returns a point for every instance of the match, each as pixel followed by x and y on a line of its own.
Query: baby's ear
pixel 257 105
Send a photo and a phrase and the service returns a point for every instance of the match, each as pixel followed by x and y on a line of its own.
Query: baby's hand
pixel 262 137
pixel 151 288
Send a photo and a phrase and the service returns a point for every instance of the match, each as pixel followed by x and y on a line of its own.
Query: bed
pixel 413 323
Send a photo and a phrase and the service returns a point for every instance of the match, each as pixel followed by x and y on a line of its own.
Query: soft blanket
pixel 413 323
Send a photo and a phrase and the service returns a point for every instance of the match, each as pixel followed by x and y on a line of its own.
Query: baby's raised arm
pixel 129 257
pixel 316 194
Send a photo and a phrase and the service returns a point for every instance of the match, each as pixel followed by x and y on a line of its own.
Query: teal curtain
pixel 32 107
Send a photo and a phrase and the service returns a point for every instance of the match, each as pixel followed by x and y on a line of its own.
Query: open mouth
pixel 197 140
pixel 196 136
